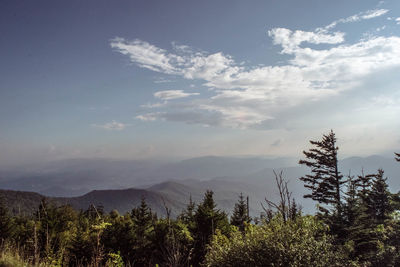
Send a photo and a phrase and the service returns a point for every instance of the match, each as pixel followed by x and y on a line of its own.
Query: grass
pixel 12 259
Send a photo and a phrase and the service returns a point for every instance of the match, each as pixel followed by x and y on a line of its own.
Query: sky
pixel 180 79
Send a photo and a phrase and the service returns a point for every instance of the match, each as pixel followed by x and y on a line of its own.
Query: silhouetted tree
pixel 325 180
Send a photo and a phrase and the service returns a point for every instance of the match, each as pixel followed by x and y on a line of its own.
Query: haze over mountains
pixel 120 184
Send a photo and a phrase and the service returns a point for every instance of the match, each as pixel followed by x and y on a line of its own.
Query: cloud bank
pixel 253 97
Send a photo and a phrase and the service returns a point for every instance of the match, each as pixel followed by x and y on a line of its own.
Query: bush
pixel 299 242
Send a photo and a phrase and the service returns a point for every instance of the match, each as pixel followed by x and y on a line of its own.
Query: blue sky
pixel 177 79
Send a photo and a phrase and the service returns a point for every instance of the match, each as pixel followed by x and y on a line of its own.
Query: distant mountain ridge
pixel 175 182
pixel 72 177
pixel 124 200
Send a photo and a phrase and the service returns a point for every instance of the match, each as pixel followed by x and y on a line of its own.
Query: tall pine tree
pixel 325 180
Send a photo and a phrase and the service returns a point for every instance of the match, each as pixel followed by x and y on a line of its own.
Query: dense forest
pixel 357 223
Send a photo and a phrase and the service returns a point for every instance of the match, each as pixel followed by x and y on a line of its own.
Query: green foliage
pixel 114 260
pixel 8 259
pixel 80 248
pixel 12 256
pixel 299 242
pixel 372 223
pixel 120 236
pixel 55 226
pixel 173 243
pixel 359 228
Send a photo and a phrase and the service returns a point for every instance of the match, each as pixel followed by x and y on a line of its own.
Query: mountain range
pixel 120 184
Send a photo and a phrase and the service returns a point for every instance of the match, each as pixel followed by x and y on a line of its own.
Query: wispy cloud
pixel 370 14
pixel 150 116
pixel 146 55
pixel 113 125
pixel 245 96
pixel 162 80
pixel 172 94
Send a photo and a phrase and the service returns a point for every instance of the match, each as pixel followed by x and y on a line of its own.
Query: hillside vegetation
pixel 357 224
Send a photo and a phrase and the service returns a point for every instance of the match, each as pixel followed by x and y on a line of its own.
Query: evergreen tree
pixel 380 198
pixel 143 221
pixel 187 216
pixel 240 214
pixel 142 218
pixel 120 236
pixel 81 248
pixel 207 220
pixel 295 210
pixel 6 225
pixel 325 181
pixel 351 207
pixel 371 245
pixel 360 228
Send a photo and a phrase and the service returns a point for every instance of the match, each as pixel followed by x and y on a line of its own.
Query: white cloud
pixel 373 13
pixel 146 55
pixel 381 28
pixel 155 105
pixel 162 80
pixel 370 14
pixel 113 125
pixel 290 40
pixel 397 20
pixel 246 97
pixel 207 67
pixel 172 94
pixel 150 116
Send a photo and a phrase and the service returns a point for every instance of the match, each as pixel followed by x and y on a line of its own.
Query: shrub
pixel 299 242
